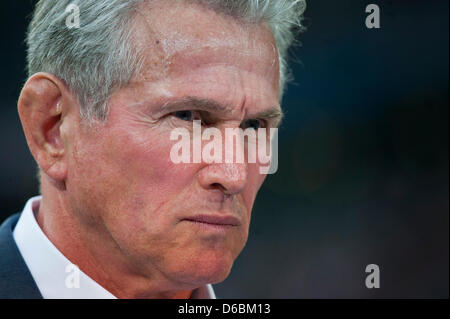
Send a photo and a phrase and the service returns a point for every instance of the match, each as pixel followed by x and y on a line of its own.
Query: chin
pixel 216 272
pixel 205 269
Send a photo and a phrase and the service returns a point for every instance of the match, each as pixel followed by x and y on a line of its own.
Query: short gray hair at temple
pixel 100 56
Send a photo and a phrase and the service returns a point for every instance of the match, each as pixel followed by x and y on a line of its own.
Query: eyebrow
pixel 197 103
pixel 273 113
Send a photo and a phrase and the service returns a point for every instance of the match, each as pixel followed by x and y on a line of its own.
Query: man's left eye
pixel 252 123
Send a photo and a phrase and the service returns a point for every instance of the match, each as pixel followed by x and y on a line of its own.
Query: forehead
pixel 174 34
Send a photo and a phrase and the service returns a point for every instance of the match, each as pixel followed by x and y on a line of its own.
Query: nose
pixel 230 178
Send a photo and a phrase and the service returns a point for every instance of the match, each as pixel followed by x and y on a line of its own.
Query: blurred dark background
pixel 363 173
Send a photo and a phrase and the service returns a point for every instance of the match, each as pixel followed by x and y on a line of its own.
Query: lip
pixel 218 220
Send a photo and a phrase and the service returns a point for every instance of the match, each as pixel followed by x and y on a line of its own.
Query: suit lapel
pixel 15 278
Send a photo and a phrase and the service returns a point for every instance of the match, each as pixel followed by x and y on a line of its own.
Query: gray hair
pixel 99 57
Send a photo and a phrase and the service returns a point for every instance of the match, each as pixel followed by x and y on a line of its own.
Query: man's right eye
pixel 184 115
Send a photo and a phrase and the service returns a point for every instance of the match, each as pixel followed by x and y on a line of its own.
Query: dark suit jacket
pixel 15 278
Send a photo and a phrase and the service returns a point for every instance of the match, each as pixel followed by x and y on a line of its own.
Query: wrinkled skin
pixel 117 207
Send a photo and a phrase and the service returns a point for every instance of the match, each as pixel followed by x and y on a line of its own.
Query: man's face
pixel 121 176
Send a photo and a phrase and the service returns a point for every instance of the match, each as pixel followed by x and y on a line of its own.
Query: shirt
pixel 54 274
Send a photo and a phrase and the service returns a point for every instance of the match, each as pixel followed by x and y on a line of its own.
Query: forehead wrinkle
pixel 230 57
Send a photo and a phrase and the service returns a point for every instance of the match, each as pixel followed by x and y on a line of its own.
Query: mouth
pixel 217 221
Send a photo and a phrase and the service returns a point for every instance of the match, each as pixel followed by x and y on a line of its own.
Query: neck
pixel 105 262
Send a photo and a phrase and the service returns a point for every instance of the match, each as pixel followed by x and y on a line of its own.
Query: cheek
pixel 143 164
pixel 126 174
pixel 255 180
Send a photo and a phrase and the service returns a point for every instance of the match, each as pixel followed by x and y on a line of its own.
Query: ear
pixel 43 106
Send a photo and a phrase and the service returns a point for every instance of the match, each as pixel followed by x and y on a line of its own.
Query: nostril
pixel 218 186
pixel 224 191
pixel 229 179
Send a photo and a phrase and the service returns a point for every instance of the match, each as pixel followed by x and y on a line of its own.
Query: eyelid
pixel 263 122
pixel 206 119
pixel 196 114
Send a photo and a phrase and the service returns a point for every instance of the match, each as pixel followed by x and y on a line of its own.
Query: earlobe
pixel 42 111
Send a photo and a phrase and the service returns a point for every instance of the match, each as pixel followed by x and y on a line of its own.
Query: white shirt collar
pixel 55 276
